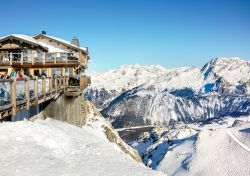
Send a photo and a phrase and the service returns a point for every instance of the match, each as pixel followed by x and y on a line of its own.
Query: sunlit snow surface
pixel 220 88
pixel 49 147
pixel 217 148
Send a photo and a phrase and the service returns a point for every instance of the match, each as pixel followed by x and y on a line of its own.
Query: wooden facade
pixel 41 54
pixel 48 64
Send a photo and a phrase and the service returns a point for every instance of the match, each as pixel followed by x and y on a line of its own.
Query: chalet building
pixel 42 55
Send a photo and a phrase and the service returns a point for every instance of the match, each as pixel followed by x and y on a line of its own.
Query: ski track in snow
pixel 238 141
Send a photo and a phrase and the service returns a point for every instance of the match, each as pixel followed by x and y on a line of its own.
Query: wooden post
pixel 67 81
pixel 55 84
pixel 61 83
pixel 50 87
pixel 21 58
pixel 54 58
pixel 63 71
pixel 81 82
pixel 44 87
pixel 44 55
pixel 27 92
pixel 36 89
pixel 32 57
pixel 13 96
pixel 66 58
pixel 11 58
pixel 64 84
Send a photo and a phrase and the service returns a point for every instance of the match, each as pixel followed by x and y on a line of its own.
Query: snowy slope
pixel 107 86
pixel 220 88
pixel 96 123
pixel 217 148
pixel 49 147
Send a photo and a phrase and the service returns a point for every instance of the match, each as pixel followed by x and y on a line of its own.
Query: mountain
pixel 220 88
pixel 107 86
pixel 50 147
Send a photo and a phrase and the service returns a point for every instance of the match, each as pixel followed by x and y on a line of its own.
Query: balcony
pixel 42 59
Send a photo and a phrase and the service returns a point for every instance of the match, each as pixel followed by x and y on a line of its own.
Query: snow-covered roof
pixel 62 41
pixel 51 48
pixel 23 37
pixel 45 46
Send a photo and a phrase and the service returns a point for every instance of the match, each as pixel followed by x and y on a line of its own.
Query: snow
pixel 234 70
pixel 216 148
pixel 51 48
pixel 220 88
pixel 108 85
pixel 221 155
pixel 49 147
pixel 126 77
pixel 177 79
pixel 64 41
pixel 24 37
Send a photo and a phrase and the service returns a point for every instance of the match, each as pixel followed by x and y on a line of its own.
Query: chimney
pixel 75 41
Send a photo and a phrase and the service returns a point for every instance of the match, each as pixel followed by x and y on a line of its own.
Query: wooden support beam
pixel 21 58
pixel 44 87
pixel 11 58
pixel 60 83
pixel 44 55
pixel 54 58
pixel 82 82
pixel 64 83
pixel 13 96
pixel 63 71
pixel 56 86
pixel 36 89
pixel 67 81
pixel 66 58
pixel 50 87
pixel 27 93
pixel 32 57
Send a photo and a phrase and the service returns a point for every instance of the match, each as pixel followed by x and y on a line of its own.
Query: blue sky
pixel 172 33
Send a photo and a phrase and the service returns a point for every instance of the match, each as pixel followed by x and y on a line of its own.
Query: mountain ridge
pixel 190 94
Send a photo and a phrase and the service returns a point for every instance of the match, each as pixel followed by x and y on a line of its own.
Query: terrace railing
pixel 16 95
pixel 37 58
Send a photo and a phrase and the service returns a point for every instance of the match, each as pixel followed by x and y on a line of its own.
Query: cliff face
pixel 81 113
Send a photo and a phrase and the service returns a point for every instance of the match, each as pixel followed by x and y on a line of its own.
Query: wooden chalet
pixel 41 55
pixel 53 66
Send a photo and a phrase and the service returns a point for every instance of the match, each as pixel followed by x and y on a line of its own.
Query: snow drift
pixel 50 147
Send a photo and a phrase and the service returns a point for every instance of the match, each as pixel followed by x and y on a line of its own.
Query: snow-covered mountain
pixel 107 86
pixel 220 147
pixel 220 88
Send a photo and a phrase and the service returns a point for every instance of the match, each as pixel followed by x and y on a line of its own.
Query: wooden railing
pixel 37 58
pixel 16 95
